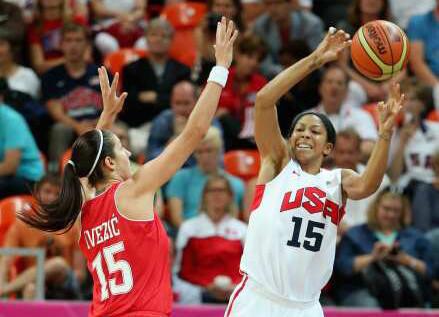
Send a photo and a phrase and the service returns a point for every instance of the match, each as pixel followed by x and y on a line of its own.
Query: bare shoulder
pixel 132 205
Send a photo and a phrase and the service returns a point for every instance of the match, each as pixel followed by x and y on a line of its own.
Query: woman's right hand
pixel 332 46
pixel 226 35
pixel 380 251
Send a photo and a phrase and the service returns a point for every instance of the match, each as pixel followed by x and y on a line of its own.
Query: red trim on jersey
pixel 257 199
pixel 236 294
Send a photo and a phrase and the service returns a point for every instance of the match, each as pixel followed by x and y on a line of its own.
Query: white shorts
pixel 249 299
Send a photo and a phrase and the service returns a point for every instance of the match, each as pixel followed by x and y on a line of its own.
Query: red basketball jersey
pixel 129 260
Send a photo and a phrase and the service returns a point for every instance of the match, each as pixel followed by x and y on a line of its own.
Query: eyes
pixel 314 130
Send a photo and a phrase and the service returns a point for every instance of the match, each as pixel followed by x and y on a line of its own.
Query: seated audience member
pixel 71 92
pixel 20 162
pixel 403 10
pixel 423 32
pixel 170 122
pixel 184 191
pixel 330 11
pixel 209 248
pixel 347 155
pixel 119 23
pixel 279 25
pixel 149 82
pixel 205 34
pixel 236 105
pixel 12 26
pixel 426 200
pixel 433 237
pixel 342 112
pixel 63 265
pixel 44 34
pixel 415 141
pixel 301 97
pixel 384 247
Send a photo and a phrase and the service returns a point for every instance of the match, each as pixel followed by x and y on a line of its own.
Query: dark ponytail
pixel 61 214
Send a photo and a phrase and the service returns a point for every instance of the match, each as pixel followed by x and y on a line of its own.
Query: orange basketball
pixel 380 49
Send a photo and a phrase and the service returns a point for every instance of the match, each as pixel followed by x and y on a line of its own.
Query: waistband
pixel 267 294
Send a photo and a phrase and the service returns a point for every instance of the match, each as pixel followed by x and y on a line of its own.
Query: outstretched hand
pixel 332 46
pixel 112 103
pixel 226 35
pixel 390 109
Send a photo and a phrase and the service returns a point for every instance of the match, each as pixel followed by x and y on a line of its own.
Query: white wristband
pixel 219 75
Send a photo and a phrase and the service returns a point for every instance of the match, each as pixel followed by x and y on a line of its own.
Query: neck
pixel 209 171
pixel 331 107
pixel 241 76
pixel 76 67
pixel 52 14
pixel 215 215
pixel 158 58
pixel 312 167
pixel 366 17
pixel 7 69
pixel 103 186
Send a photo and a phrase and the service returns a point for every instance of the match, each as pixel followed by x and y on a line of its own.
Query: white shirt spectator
pixel 356 210
pixel 351 117
pixel 25 80
pixel 402 10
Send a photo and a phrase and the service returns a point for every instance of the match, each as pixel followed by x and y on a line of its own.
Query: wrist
pixel 385 135
pixel 219 75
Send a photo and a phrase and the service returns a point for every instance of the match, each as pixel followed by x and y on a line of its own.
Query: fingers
pixel 223 29
pixel 230 29
pixel 122 99
pixel 234 36
pixel 114 84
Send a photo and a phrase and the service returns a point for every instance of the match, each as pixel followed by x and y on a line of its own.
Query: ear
pixel 328 149
pixel 109 163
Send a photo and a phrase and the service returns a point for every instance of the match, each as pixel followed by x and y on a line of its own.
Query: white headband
pixel 101 144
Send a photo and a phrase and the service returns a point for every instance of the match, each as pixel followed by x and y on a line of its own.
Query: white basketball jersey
pixel 292 232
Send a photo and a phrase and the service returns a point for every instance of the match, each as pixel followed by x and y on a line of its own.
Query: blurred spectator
pixel 236 105
pixel 184 191
pixel 118 23
pixel 279 25
pixel 402 10
pixel 415 141
pixel 209 248
pixel 369 253
pixel 304 95
pixel 71 92
pixel 62 255
pixel 44 34
pixel 330 11
pixel 12 26
pixel 360 13
pixel 170 122
pixel 342 112
pixel 149 80
pixel 423 31
pixel 426 200
pixel 205 34
pixel 433 237
pixel 20 162
pixel 347 154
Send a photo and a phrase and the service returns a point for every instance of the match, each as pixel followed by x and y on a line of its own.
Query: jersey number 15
pixel 109 285
pixel 313 238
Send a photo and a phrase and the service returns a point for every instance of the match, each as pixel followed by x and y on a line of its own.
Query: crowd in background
pixel 49 54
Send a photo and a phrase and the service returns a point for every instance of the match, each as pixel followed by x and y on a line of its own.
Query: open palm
pixel 332 45
pixel 112 103
pixel 390 109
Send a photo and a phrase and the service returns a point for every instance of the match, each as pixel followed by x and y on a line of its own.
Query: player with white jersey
pixel 290 244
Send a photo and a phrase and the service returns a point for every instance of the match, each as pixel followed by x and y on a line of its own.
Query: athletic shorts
pixel 250 299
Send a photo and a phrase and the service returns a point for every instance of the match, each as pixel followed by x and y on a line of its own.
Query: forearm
pixel 106 120
pixel 423 72
pixel 397 165
pixel 362 261
pixel 289 77
pixel 7 169
pixel 372 176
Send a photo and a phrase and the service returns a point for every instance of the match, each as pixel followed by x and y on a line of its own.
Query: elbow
pixel 262 99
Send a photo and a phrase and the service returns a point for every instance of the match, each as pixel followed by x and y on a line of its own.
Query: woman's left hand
pixel 401 258
pixel 112 103
pixel 389 110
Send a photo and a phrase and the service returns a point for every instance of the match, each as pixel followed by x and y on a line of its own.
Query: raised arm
pixel 357 186
pixel 155 173
pixel 271 145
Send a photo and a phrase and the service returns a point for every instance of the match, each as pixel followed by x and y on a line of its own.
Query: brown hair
pixel 237 19
pixel 354 13
pixel 350 134
pixel 250 44
pixel 388 192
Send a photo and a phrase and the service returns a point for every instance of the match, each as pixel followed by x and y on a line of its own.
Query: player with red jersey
pixel 290 243
pixel 122 238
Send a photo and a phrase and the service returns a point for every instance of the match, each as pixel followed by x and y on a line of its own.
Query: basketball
pixel 380 49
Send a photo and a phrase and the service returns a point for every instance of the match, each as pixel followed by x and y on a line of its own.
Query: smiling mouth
pixel 302 146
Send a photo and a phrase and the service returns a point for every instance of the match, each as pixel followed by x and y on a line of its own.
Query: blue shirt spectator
pixel 423 31
pixel 20 162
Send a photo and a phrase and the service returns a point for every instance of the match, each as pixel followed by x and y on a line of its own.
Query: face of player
pixel 121 159
pixel 372 7
pixel 389 213
pixel 333 89
pixel 278 10
pixel 346 153
pixel 48 192
pixel 74 46
pixel 159 41
pixel 309 140
pixel 206 155
pixel 5 52
pixel 217 198
pixel 183 99
pixel 225 8
pixel 246 64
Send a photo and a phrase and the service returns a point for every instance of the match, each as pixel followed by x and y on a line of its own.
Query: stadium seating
pixel 242 163
pixel 8 208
